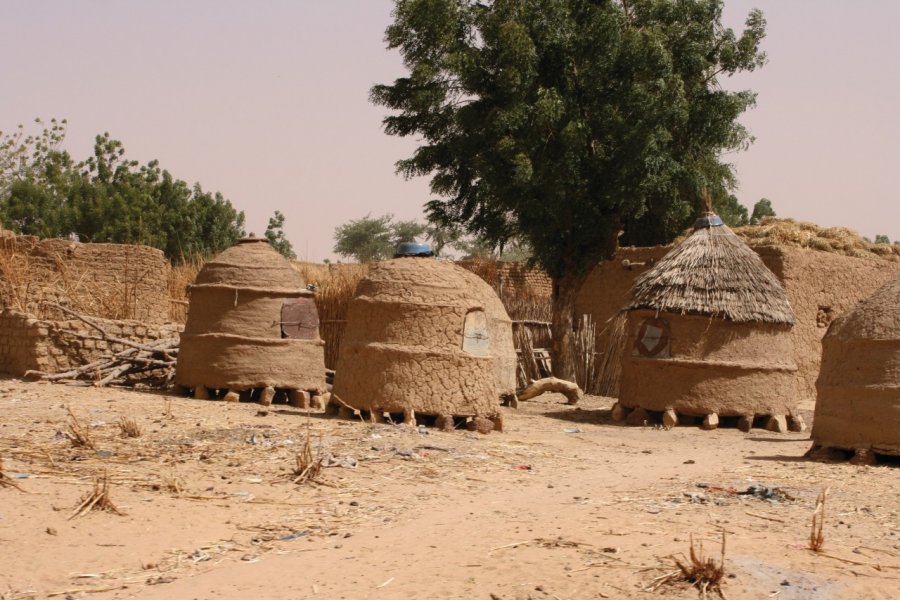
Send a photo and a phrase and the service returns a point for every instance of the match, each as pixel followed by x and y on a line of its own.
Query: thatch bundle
pixel 837 240
pixel 858 405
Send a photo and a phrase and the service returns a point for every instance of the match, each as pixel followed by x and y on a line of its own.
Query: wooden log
pixel 298 398
pixel 201 393
pixel 670 418
pixel 638 416
pixel 376 416
pixel 267 395
pixel 796 423
pixel 552 384
pixel 409 417
pixel 710 421
pixel 777 423
pixel 745 423
pixel 619 412
pixel 232 396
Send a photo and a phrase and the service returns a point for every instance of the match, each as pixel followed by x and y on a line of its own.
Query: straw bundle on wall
pixel 836 240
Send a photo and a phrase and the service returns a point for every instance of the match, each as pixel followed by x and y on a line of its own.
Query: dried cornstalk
pixel 129 427
pixel 585 342
pixel 704 573
pixel 5 480
pixel 308 467
pixel 78 434
pixel 97 499
pixel 817 533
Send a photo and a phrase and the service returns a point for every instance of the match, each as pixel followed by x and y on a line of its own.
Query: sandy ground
pixel 563 505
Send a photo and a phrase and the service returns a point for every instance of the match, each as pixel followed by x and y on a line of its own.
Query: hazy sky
pixel 267 102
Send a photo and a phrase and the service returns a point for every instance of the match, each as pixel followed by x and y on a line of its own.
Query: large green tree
pixel 564 122
pixel 374 238
pixel 107 198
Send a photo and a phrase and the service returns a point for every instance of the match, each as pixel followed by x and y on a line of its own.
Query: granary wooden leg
pixel 320 401
pixel 376 415
pixel 670 418
pixel 232 396
pixel 710 421
pixel 498 423
pixel 409 417
pixel 266 395
pixel 796 423
pixel 745 423
pixel 777 423
pixel 298 398
pixel 863 456
pixel 619 412
pixel 201 393
pixel 444 422
pixel 638 416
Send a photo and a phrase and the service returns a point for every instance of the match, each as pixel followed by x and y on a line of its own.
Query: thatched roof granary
pixel 251 325
pixel 858 405
pixel 707 336
pixel 425 337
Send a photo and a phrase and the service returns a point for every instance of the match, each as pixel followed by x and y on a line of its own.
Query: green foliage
pixel 107 198
pixel 370 239
pixel 732 212
pixel 275 234
pixel 563 121
pixel 882 239
pixel 761 209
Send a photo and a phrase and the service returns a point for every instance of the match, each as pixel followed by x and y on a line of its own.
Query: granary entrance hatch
pixel 476 339
pixel 653 339
pixel 299 319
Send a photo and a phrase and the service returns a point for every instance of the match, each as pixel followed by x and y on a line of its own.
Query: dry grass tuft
pixel 816 532
pixel 172 483
pixel 836 240
pixel 308 466
pixel 702 572
pixel 129 428
pixel 6 480
pixel 78 434
pixel 180 277
pixel 97 499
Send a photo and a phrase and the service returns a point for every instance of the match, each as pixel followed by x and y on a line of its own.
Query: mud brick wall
pixel 114 281
pixel 511 279
pixel 27 343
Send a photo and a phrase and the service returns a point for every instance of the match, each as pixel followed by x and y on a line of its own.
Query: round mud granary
pixel 425 337
pixel 252 328
pixel 858 405
pixel 707 336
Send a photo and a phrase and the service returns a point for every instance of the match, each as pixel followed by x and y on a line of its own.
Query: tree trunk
pixel 562 327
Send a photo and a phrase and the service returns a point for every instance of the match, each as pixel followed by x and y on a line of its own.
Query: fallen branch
pixel 551 384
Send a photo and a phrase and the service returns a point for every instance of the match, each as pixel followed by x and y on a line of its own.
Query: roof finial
pixel 706 201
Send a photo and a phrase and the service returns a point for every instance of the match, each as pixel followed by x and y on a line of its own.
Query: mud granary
pixel 858 406
pixel 252 329
pixel 707 336
pixel 427 340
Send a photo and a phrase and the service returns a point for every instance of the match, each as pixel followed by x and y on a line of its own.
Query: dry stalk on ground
pixel 816 532
pixel 129 427
pixel 97 499
pixel 704 573
pixel 78 434
pixel 7 481
pixel 308 466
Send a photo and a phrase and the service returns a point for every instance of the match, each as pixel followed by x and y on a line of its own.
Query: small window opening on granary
pixel 299 319
pixel 654 339
pixel 476 339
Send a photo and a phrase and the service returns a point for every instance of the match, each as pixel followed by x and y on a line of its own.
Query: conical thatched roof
pixel 713 272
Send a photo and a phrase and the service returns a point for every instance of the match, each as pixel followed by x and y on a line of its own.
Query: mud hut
pixel 707 335
pixel 858 405
pixel 425 339
pixel 252 328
